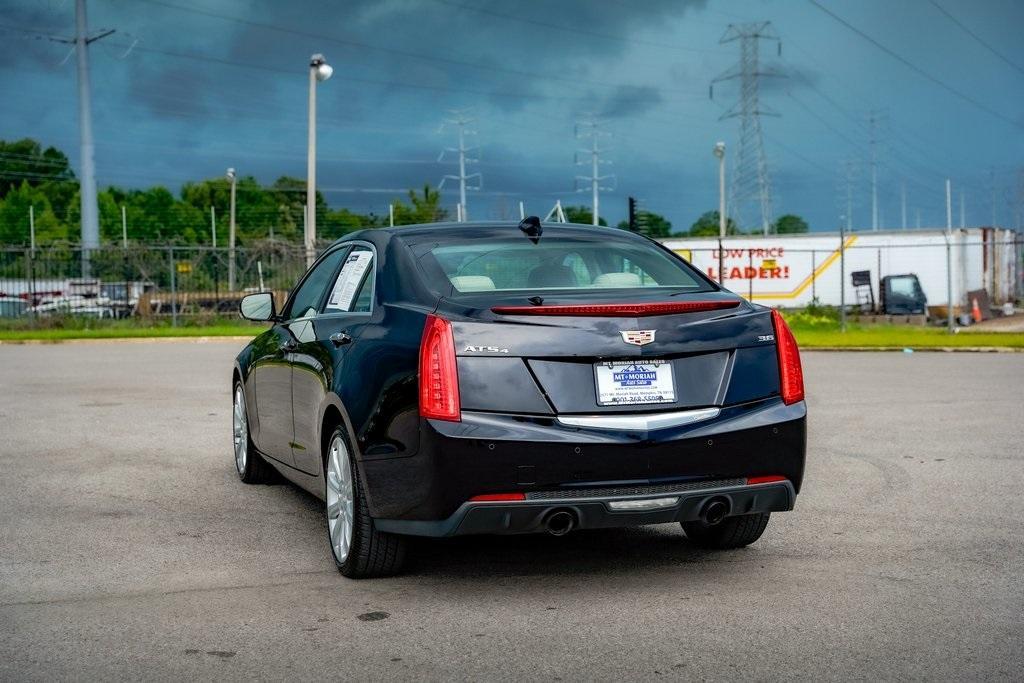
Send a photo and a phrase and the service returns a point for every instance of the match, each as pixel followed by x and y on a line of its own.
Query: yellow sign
pixel 685 253
pixel 184 267
pixel 768 263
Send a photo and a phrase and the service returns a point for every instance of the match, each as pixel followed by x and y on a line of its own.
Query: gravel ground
pixel 129 549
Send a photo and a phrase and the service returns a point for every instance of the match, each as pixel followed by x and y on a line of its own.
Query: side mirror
pixel 259 307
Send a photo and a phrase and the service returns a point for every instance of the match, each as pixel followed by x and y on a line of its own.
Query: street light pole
pixel 720 153
pixel 231 232
pixel 319 70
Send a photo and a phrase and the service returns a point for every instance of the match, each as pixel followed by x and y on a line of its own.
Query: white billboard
pixel 791 270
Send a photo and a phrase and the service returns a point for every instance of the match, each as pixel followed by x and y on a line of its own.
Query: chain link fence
pixel 144 282
pixel 183 283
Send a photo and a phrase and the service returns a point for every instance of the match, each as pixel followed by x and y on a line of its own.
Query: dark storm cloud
pixel 24 37
pixel 628 100
pixel 223 83
pixel 522 49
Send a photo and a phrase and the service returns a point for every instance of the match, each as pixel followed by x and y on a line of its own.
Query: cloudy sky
pixel 217 83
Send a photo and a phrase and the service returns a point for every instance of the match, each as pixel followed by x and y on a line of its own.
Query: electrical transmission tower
pixel 591 129
pixel 874 118
pixel 750 182
pixel 462 120
pixel 847 192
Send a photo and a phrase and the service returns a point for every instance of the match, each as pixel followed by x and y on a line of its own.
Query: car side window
pixel 353 288
pixel 306 301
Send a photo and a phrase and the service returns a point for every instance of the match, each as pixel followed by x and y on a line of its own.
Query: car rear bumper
pixel 488 453
pixel 597 512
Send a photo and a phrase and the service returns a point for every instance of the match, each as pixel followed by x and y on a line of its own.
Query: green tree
pixel 707 226
pixel 26 160
pixel 153 215
pixel 14 217
pixel 790 225
pixel 581 215
pixel 425 208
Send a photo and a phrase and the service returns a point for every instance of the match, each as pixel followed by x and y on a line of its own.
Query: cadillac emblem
pixel 638 337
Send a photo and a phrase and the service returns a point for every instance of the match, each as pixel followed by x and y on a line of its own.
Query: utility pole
pixel 232 176
pixel 591 129
pixel 949 257
pixel 124 227
pixel 750 182
pixel 872 122
pixel 963 213
pixel 461 119
pixel 992 183
pixel 903 204
pixel 32 227
pixel 849 196
pixel 87 184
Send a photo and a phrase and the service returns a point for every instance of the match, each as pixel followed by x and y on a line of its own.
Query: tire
pixel 249 464
pixel 358 549
pixel 731 532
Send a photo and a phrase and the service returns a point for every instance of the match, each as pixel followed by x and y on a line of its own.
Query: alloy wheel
pixel 240 431
pixel 340 508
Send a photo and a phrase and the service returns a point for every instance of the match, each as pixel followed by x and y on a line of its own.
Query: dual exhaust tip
pixel 561 522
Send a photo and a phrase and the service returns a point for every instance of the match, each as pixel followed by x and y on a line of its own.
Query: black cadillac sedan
pixel 467 378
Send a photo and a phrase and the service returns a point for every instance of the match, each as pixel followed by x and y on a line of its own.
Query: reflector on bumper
pixel 644 504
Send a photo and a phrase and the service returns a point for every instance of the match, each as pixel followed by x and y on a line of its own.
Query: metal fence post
pixel 814 278
pixel 842 278
pixel 721 276
pixel 879 274
pixel 30 276
pixel 949 284
pixel 174 287
pixel 750 272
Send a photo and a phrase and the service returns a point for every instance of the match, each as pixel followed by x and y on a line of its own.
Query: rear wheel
pixel 249 464
pixel 359 550
pixel 731 532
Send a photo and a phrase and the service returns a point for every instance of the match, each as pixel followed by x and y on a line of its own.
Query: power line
pixel 984 43
pixel 915 68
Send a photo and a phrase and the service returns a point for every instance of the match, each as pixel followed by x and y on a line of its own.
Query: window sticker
pixel 349 279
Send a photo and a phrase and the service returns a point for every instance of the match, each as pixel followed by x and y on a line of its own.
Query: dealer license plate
pixel 634 382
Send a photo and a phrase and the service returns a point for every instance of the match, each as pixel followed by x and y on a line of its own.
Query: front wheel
pixel 731 532
pixel 359 550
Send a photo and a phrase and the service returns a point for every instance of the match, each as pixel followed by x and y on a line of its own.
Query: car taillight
pixel 439 379
pixel 791 375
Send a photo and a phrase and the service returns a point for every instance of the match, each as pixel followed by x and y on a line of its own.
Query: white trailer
pixel 792 270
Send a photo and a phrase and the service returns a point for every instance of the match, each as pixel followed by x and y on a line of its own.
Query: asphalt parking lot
pixel 129 549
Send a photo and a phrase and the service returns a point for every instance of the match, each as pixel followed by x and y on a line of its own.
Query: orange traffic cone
pixel 975 310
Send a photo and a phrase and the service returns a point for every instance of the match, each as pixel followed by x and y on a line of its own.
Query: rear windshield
pixel 558 263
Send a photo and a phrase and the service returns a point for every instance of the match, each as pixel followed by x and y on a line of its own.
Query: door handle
pixel 289 345
pixel 340 338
